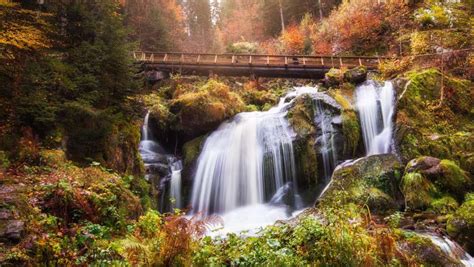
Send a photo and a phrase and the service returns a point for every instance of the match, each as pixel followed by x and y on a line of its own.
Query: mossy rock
pixel 453 179
pixel 371 180
pixel 422 250
pixel 356 75
pixel 417 190
pixel 333 77
pixel 461 224
pixel 444 205
pixel 259 98
pixel 350 125
pixel 204 108
pixel 306 162
pixel 380 202
pixel 301 116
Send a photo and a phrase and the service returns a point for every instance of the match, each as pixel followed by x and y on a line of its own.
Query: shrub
pixel 242 48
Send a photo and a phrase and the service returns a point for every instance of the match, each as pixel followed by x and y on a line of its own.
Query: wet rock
pixel 422 250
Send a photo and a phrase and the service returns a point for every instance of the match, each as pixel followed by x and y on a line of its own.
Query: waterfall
pixel 246 160
pixel 162 168
pixel 326 140
pixel 376 106
pixel 145 128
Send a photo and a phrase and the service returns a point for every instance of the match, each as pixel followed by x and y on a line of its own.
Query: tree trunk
pixel 281 16
pixel 320 11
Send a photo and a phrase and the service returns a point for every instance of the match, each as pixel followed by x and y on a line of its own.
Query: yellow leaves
pixel 23 29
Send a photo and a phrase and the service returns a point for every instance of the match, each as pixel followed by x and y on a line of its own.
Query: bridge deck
pixel 285 66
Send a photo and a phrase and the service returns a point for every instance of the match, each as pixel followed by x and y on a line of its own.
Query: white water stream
pixel 376 106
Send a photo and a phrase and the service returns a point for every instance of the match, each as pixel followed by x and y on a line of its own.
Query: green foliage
pixel 338 240
pixel 89 194
pixel 242 48
pixel 434 16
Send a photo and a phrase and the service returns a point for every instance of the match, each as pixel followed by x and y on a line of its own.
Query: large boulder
pixel 431 182
pixel 203 109
pixel 371 180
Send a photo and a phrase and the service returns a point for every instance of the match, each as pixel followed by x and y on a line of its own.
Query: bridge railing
pixel 260 60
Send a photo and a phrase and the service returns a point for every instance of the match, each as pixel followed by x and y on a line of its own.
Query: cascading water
pixel 246 160
pixel 376 106
pixel 326 140
pixel 164 167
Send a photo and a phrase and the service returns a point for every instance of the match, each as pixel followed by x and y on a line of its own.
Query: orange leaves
pixel 293 40
pixel 357 25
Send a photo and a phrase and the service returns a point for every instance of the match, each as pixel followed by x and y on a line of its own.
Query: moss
pixel 205 107
pixel 427 126
pixel 301 116
pixel 444 205
pixel 453 178
pixel 350 124
pixel 380 202
pixel 259 98
pixel 251 108
pixel 417 190
pixel 371 180
pixel 192 149
pixel 333 77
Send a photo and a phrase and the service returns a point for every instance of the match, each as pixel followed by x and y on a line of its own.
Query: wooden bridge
pixel 284 66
